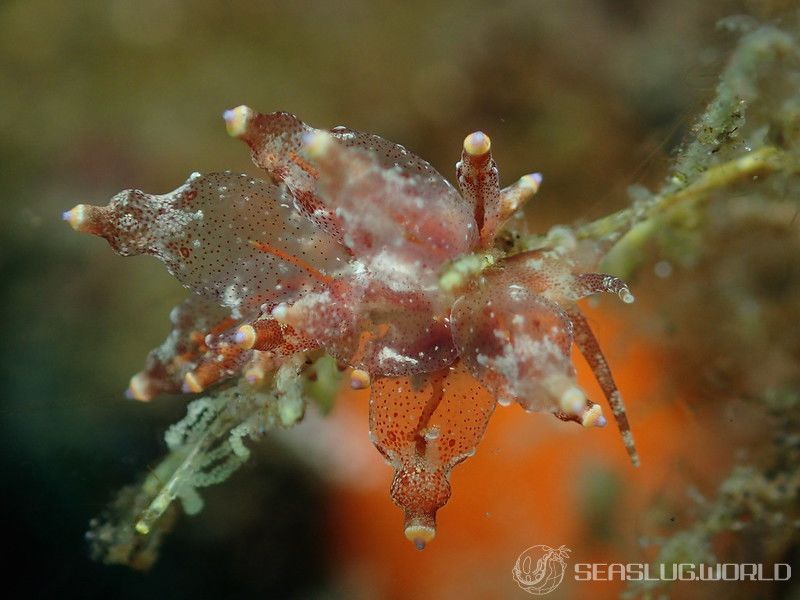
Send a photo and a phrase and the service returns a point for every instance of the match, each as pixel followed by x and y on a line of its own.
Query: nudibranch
pixel 358 248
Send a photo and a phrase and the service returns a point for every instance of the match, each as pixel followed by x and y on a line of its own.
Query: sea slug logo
pixel 540 569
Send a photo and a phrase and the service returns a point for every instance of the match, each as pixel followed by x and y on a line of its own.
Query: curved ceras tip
pixel 419 533
pixel 237 120
pixel 359 379
pixel 626 296
pixel 477 143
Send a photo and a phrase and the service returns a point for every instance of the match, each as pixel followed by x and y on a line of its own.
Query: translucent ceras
pixel 357 247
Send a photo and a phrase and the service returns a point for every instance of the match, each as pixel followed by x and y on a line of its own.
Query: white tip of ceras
pixel 419 534
pixel 626 296
pixel 191 384
pixel 142 528
pixel 245 337
pixel 254 374
pixel 593 417
pixel 572 400
pixel 76 216
pixel 533 181
pixel 139 388
pixel 317 143
pixel 359 379
pixel 237 119
pixel 281 312
pixel 477 144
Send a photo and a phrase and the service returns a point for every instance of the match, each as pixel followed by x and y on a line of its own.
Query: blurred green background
pixel 101 96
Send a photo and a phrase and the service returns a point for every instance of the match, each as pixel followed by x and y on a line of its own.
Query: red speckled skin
pixel 342 249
